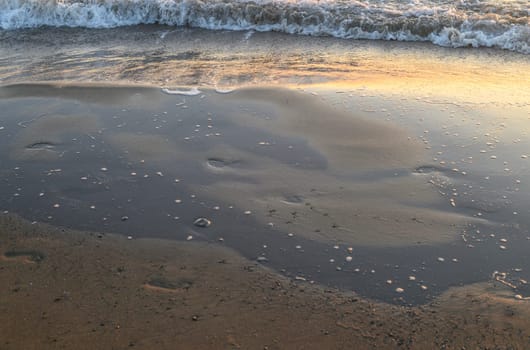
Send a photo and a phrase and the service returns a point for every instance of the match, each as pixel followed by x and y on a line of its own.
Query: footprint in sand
pixel 293 199
pixel 221 164
pixel 24 256
pixel 159 283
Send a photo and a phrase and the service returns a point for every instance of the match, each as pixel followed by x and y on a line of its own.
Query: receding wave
pixel 476 23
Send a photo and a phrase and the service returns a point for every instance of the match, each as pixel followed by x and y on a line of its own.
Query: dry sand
pixel 63 289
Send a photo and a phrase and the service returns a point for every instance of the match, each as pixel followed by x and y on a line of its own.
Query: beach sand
pixel 64 288
pixel 91 290
pixel 361 195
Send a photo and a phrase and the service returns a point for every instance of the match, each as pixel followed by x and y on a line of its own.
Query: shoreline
pixel 166 56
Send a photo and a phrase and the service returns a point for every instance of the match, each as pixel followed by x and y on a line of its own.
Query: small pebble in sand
pixel 388 281
pixel 216 207
pixel 349 258
pixel 56 205
pixel 177 180
pixel 262 259
pixel 124 218
pixel 399 290
pixel 502 247
pixel 440 259
pixel 350 250
pixel 104 169
pixel 159 173
pixel 178 201
pixel 424 287
pixel 133 174
pixel 518 296
pixel 247 212
pixel 129 237
pixel 41 194
pixel 412 278
pixel 189 238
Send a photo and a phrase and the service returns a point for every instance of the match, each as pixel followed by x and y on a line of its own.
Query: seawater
pixel 477 23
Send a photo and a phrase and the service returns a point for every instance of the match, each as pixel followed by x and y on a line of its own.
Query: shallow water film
pixel 319 185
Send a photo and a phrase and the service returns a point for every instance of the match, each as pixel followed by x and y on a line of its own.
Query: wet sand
pixel 89 289
pixel 284 151
pixel 313 191
pixel 412 234
pixel 219 286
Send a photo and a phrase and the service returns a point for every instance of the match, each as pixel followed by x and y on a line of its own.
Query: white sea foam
pixel 191 92
pixel 224 91
pixel 476 23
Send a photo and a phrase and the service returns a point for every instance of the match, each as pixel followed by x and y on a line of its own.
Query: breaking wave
pixel 475 23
